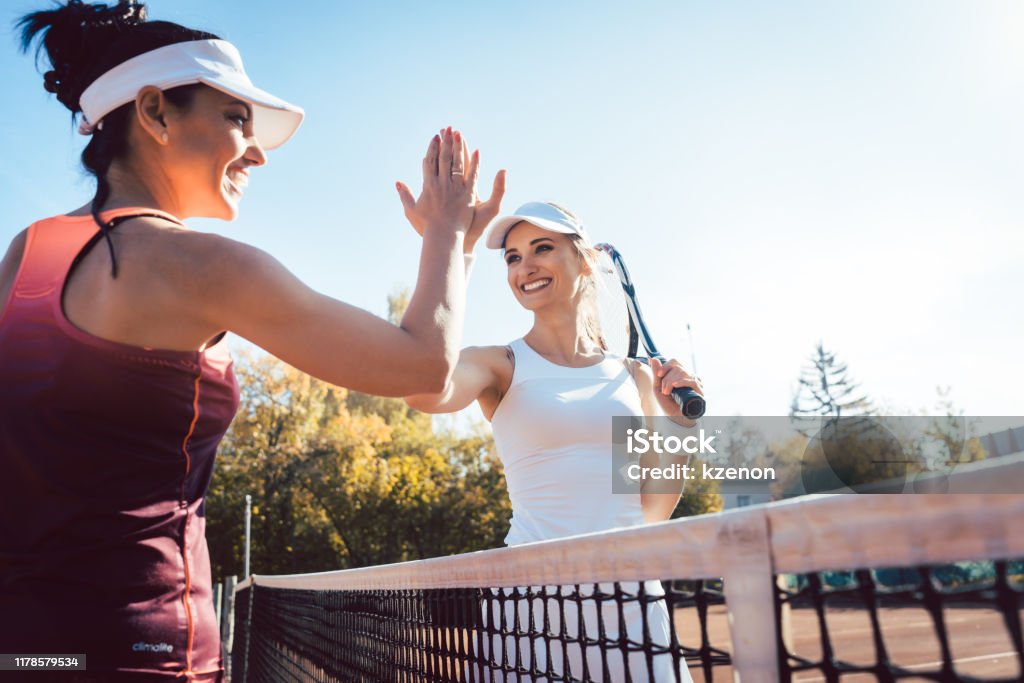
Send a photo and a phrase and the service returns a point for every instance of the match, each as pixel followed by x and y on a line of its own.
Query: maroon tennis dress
pixel 106 452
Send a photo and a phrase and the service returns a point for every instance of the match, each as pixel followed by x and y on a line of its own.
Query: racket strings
pixel 609 302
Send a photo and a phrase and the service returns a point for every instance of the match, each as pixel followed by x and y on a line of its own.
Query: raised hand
pixel 469 165
pixel 483 211
pixel 446 200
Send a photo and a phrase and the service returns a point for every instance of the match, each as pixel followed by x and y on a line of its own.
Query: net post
pixel 249 587
pixel 227 620
pixel 784 613
pixel 749 589
pixel 218 598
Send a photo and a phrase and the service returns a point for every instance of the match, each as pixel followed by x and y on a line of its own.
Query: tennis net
pixel 824 587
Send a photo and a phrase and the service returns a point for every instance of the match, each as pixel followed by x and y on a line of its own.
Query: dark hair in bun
pixel 75 37
pixel 82 41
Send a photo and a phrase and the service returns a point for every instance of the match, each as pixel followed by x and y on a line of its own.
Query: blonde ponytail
pixel 588 301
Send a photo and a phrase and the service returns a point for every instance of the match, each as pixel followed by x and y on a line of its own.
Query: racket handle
pixel 691 404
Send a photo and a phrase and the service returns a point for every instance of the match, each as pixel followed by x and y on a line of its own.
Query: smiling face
pixel 209 150
pixel 544 267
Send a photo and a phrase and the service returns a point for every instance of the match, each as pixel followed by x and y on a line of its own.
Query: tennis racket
pixel 623 325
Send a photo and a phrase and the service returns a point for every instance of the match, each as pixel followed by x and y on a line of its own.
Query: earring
pixel 163 136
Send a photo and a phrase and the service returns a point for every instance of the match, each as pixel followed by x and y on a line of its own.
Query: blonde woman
pixel 550 396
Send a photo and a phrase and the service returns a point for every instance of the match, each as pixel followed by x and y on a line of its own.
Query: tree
pixel 826 390
pixel 955 435
pixel 341 479
pixel 848 447
pixel 700 496
pixel 787 456
pixel 941 440
pixel 398 302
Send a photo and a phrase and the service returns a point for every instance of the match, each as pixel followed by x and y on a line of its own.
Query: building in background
pixel 738 494
pixel 1006 442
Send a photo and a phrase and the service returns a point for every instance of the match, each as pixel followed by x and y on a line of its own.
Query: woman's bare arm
pixel 658 498
pixel 474 375
pixel 245 290
pixel 260 300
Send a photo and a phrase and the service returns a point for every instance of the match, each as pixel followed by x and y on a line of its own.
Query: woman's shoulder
pixel 10 264
pixel 14 250
pixel 642 374
pixel 495 357
pixel 201 259
pixel 198 274
pixel 179 239
pixel 497 363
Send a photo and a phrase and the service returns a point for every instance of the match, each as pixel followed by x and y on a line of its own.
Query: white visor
pixel 545 215
pixel 213 62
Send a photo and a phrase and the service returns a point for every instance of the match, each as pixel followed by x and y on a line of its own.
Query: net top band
pixel 811 533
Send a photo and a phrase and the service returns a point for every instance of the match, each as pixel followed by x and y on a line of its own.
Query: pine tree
pixel 827 390
pixel 847 446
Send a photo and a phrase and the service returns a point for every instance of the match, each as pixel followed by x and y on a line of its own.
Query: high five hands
pixel 450 175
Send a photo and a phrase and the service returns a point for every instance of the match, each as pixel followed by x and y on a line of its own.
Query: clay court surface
pixel 980 642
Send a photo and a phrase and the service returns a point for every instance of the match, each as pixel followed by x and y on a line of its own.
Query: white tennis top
pixel 553 432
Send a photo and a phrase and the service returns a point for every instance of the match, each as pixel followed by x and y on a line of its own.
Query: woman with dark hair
pixel 116 384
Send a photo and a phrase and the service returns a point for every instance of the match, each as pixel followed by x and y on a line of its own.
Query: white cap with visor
pixel 215 63
pixel 546 215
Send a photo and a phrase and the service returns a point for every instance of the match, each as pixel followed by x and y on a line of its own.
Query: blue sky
pixel 775 173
